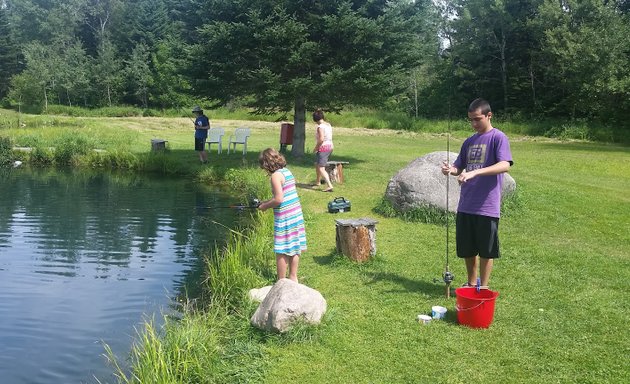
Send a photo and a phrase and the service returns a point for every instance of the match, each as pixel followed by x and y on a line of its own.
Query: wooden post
pixel 356 238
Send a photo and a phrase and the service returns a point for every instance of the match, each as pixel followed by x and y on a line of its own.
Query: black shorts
pixel 477 235
pixel 199 144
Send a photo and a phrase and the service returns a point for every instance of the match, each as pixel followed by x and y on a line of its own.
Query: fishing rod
pixel 187 114
pixel 448 276
pixel 252 205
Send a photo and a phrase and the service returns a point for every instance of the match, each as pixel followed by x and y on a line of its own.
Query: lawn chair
pixel 239 137
pixel 215 135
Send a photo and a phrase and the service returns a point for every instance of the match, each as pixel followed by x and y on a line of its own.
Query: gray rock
pixel 259 294
pixel 421 183
pixel 286 302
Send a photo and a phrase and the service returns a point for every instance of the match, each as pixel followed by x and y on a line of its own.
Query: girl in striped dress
pixel 288 224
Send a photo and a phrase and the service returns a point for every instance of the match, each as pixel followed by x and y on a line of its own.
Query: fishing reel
pixel 254 203
pixel 448 277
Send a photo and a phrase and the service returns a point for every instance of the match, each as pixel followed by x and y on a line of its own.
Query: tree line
pixel 530 58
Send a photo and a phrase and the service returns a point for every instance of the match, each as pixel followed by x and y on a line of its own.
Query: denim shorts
pixel 321 158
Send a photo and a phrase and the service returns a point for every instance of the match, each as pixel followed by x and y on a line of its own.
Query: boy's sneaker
pixel 467 284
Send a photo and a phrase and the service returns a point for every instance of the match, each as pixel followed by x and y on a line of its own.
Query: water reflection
pixel 83 256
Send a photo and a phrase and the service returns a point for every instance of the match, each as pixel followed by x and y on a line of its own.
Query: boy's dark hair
pixel 480 104
pixel 271 160
pixel 318 115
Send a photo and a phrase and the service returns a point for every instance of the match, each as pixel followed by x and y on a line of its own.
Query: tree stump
pixel 158 144
pixel 356 238
pixel 335 171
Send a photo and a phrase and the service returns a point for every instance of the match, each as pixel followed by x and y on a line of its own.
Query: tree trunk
pixel 532 84
pixel 501 43
pixel 504 76
pixel 299 127
pixel 415 91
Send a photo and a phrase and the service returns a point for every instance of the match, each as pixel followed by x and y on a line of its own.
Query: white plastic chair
pixel 239 137
pixel 215 135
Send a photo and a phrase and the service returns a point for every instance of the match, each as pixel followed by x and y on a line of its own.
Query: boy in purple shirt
pixel 479 168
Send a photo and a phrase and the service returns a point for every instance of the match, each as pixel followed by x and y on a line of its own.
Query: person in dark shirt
pixel 202 124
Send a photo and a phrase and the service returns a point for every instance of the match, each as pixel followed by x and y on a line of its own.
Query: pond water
pixel 86 258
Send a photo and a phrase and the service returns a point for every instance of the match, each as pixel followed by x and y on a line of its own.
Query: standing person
pixel 289 236
pixel 483 159
pixel 323 149
pixel 202 124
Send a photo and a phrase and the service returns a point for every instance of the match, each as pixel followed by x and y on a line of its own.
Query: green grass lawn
pixel 564 275
pixel 562 313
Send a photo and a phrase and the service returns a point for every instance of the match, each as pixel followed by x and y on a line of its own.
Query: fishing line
pixel 229 207
pixel 448 277
pixel 252 205
pixel 187 114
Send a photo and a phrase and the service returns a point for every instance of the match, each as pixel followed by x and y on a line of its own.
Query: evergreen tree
pixel 9 53
pixel 139 73
pixel 492 47
pixel 586 46
pixel 170 86
pixel 299 55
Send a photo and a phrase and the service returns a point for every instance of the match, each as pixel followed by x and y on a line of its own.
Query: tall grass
pixel 213 342
pixel 70 146
pixel 203 347
pixel 232 271
pixel 6 149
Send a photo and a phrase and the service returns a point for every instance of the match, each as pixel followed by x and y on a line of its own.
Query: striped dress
pixel 289 236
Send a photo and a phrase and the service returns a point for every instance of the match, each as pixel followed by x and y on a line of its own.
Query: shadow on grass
pixel 309 159
pixel 326 260
pixel 371 272
pixel 406 284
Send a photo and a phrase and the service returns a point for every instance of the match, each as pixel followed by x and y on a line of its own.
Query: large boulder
pixel 421 184
pixel 259 294
pixel 286 302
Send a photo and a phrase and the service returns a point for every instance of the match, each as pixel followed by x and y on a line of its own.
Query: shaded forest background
pixel 535 59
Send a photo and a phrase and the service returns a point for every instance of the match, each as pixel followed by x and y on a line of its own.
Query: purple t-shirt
pixel 482 194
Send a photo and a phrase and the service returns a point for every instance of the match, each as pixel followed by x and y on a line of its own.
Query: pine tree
pixel 9 53
pixel 298 55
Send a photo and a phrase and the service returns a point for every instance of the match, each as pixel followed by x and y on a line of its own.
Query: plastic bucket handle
pixel 470 308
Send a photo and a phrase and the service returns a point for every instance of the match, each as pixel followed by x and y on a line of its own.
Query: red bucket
pixel 475 309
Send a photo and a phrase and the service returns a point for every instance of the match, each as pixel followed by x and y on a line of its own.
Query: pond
pixel 86 258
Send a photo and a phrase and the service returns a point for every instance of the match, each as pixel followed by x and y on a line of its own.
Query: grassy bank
pixel 563 279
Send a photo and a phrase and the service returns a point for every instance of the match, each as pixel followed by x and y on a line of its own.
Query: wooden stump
pixel 335 171
pixel 356 238
pixel 158 144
